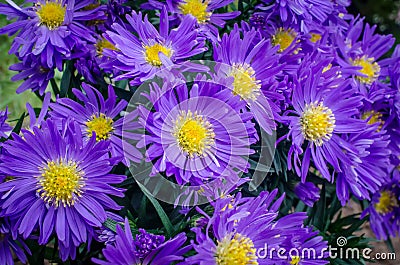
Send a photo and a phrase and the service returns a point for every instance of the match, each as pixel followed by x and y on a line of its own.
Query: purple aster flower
pixel 370 168
pixel 35 76
pixel 125 250
pixel 252 67
pixel 284 35
pixel 5 128
pixel 339 19
pixel 105 233
pixel 146 242
pixel 141 57
pixel 89 69
pixel 116 10
pixel 204 12
pixel 307 192
pixel 48 29
pixel 323 109
pixel 88 64
pixel 60 184
pixel 384 210
pixel 394 74
pixel 240 227
pixel 359 52
pixel 36 121
pixel 300 10
pixel 299 242
pixel 98 115
pixel 196 136
pixel 11 244
pixel 394 146
pixel 318 36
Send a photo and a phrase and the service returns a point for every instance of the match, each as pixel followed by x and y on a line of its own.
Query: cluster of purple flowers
pixel 306 70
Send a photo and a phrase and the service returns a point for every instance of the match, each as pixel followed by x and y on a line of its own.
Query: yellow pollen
pixel 387 201
pixel 284 38
pixel 193 133
pixel 327 68
pixel 196 8
pixel 91 6
pixel 229 205
pixel 104 44
pixel 61 183
pixel 317 123
pixel 51 14
pixel 238 250
pixel 101 125
pixel 245 83
pixel 315 37
pixel 94 22
pixel 152 53
pixel 295 260
pixel 369 68
pixel 8 178
pixel 374 117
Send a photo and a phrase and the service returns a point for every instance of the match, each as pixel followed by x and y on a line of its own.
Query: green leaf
pixel 389 243
pixel 161 213
pixel 123 94
pixel 54 86
pixel 319 213
pixel 38 252
pixel 18 126
pixel 66 79
pixel 111 224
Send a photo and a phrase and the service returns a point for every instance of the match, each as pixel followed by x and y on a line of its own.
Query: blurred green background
pixel 8 97
pixel 385 13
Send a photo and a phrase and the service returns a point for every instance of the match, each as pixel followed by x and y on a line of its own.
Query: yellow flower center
pixel 245 83
pixel 196 8
pixel 104 44
pixel 369 68
pixel 317 123
pixel 193 133
pixel 101 125
pixel 52 14
pixel 61 183
pixel 295 260
pixel 238 250
pixel 387 201
pixel 374 117
pixel 284 38
pixel 152 53
pixel 315 37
